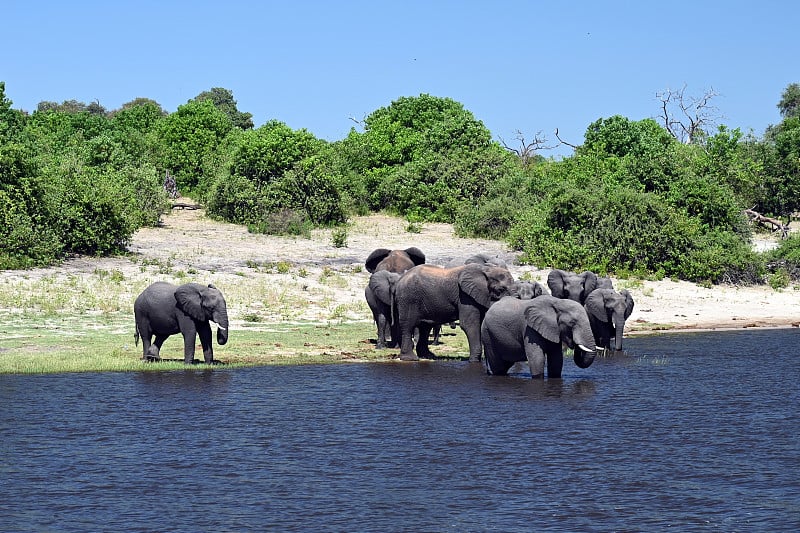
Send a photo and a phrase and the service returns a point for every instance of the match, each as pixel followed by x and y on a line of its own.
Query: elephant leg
pixel 471 325
pixel 422 341
pixel 495 365
pixel 188 346
pixel 380 320
pixel 147 338
pixel 534 352
pixel 204 332
pixel 407 342
pixel 555 361
pixel 154 351
pixel 437 333
pixel 394 334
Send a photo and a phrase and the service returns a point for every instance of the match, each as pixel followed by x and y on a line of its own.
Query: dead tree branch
pixel 687 117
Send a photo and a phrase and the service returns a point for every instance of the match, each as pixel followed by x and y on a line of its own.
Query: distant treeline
pixel 635 198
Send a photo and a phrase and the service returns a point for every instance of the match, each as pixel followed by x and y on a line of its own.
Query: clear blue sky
pixel 516 65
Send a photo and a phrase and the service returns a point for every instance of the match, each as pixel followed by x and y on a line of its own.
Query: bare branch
pixel 686 117
pixel 562 141
pixel 527 149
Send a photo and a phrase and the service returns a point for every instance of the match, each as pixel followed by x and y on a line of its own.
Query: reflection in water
pixel 684 431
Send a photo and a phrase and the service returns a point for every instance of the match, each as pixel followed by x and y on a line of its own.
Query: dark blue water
pixel 689 432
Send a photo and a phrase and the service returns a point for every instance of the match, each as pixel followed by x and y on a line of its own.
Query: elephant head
pixel 203 304
pixel 571 286
pixel 528 290
pixel 486 283
pixel 563 321
pixel 394 260
pixel 608 310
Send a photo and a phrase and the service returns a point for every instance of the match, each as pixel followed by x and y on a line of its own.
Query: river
pixel 688 432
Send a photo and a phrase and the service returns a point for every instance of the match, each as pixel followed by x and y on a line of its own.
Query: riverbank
pixel 276 282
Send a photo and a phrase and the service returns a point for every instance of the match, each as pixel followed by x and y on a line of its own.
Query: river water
pixel 687 432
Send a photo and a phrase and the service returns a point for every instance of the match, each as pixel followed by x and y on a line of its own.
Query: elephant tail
pixel 136 337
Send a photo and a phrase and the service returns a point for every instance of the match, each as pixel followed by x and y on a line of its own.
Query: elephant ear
pixel 628 302
pixel 473 281
pixel 416 255
pixel 381 283
pixel 377 255
pixel 596 305
pixel 589 282
pixel 555 281
pixel 190 301
pixel 542 317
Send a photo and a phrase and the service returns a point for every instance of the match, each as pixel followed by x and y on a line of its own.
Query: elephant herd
pixel 505 320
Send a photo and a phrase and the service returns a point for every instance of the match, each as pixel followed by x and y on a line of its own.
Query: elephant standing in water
pixel 164 309
pixel 608 310
pixel 534 330
pixel 429 295
pixel 380 289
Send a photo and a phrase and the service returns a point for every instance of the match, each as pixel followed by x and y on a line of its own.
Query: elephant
pixel 397 261
pixel 164 309
pixel 608 310
pixel 515 330
pixel 528 290
pixel 394 260
pixel 380 297
pixel 429 295
pixel 571 286
pixel 482 258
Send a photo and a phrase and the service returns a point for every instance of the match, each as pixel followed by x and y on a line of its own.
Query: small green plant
pixel 339 237
pixel 779 280
pixel 283 267
pixel 251 317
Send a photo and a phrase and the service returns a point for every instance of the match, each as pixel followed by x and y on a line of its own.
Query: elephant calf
pixel 164 309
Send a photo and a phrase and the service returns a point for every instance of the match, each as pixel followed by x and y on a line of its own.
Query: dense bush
pixel 786 257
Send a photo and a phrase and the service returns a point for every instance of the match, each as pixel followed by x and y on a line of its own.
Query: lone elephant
pixel 534 330
pixel 164 309
pixel 608 310
pixel 571 286
pixel 396 261
pixel 428 295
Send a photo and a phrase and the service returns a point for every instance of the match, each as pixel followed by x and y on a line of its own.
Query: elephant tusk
pixel 585 349
pixel 218 326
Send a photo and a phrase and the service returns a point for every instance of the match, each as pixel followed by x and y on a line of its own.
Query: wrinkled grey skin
pixel 396 261
pixel 380 297
pixel 604 283
pixel 572 286
pixel 534 330
pixel 428 295
pixel 482 258
pixel 164 309
pixel 608 310
pixel 528 290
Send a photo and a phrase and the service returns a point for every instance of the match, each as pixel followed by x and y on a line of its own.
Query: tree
pixel 189 137
pixel 223 100
pixel 688 118
pixel 265 154
pixel 11 120
pixel 789 106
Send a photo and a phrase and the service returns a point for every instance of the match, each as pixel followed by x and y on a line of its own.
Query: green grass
pixel 55 345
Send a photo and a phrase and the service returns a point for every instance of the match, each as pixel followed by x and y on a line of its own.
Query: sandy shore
pixel 243 264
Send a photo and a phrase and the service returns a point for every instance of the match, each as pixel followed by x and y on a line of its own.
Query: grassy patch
pixel 54 346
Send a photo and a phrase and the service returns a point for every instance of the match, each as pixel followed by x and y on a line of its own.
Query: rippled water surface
pixel 689 432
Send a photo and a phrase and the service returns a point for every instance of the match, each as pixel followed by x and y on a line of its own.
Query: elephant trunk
pixel 221 319
pixel 619 326
pixel 585 349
